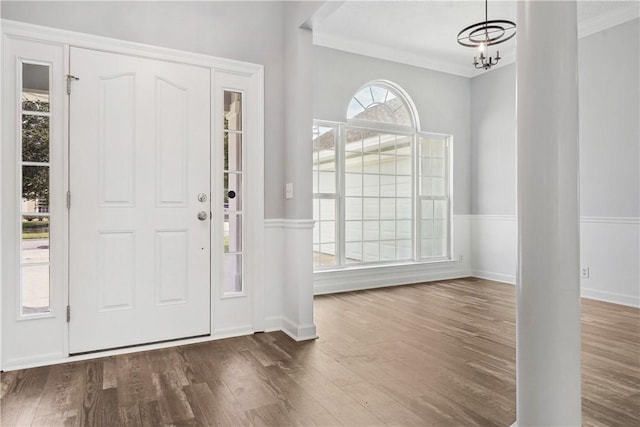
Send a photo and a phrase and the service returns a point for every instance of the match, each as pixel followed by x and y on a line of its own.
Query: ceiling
pixel 423 33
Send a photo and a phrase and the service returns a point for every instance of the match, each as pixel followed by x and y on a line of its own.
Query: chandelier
pixel 484 34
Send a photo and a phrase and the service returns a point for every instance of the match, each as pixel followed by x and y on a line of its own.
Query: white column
pixel 548 284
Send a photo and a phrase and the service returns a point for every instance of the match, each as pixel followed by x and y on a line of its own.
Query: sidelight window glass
pixel 35 87
pixel 34 149
pixel 233 194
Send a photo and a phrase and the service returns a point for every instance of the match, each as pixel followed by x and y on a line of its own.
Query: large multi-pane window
pixel 381 186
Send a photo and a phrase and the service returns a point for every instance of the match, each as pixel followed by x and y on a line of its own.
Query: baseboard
pixel 299 332
pixel 497 277
pixel 629 300
pixel 608 248
pixel 612 297
pixel 59 358
pixel 272 323
pixel 294 331
pixel 35 361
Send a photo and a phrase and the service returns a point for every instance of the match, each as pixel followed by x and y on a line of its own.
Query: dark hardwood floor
pixel 436 354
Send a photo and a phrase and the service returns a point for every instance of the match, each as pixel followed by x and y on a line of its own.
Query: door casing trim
pixel 255 72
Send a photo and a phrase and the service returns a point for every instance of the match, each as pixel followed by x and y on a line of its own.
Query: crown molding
pixel 588 27
pixel 323 12
pixel 620 15
pixel 389 54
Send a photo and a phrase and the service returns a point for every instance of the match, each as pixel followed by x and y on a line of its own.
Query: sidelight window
pixel 233 193
pixel 34 153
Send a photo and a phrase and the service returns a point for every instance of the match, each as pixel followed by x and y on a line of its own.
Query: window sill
pixel 356 267
pixel 382 275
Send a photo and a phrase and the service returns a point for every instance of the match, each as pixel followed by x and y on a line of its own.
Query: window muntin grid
pixel 34 154
pixel 392 189
pixel 434 196
pixel 325 196
pixel 381 104
pixel 233 194
pixel 378 198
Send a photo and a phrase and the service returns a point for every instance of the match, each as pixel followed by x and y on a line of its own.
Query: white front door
pixel 139 179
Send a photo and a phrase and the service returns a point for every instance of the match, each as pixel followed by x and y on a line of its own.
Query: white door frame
pixel 254 228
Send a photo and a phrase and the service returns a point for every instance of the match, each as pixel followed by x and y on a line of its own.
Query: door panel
pixel 139 158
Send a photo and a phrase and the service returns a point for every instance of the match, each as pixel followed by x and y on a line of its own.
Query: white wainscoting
pixel 273 273
pixel 368 277
pixel 289 278
pixel 610 248
pixel 494 247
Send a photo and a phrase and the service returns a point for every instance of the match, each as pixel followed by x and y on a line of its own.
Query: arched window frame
pixel 427 209
pixel 399 93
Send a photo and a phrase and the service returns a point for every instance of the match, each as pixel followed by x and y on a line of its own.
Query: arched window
pixel 381 185
pixel 380 102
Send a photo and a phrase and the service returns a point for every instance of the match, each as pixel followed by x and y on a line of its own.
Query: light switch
pixel 288 190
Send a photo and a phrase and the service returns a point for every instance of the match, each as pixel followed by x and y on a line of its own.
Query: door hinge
pixel 68 314
pixel 68 199
pixel 69 78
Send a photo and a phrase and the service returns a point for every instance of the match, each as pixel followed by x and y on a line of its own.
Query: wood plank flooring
pixel 436 354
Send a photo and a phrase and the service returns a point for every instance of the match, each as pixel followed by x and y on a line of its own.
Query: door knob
pixel 202 215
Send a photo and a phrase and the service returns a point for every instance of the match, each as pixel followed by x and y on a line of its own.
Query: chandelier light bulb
pixel 481 47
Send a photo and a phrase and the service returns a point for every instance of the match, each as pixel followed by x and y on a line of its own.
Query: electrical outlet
pixel 459 258
pixel 584 272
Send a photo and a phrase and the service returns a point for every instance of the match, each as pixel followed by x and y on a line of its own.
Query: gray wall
pixel 442 101
pixel 609 76
pixel 609 92
pixel 245 31
pixel 493 147
pixel 484 175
